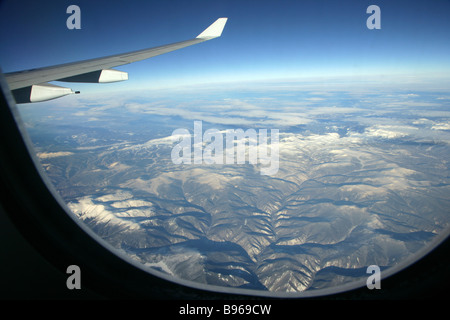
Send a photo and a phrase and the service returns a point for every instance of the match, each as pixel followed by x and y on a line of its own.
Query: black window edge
pixel 42 220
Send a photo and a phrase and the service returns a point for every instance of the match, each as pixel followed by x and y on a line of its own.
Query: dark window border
pixel 43 221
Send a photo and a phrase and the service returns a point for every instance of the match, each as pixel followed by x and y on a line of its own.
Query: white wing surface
pixel 31 85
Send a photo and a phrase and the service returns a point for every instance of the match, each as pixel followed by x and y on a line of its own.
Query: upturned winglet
pixel 214 30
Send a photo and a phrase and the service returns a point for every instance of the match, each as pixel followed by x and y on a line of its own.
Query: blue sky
pixel 262 39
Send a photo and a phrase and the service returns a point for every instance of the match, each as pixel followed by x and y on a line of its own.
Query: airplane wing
pixel 31 85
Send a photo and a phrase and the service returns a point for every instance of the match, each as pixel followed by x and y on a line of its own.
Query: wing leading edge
pixel 31 85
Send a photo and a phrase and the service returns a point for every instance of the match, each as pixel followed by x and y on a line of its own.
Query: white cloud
pixel 390 131
pixel 47 155
pixel 441 126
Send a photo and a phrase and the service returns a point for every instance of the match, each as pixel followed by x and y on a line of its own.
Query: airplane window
pixel 292 155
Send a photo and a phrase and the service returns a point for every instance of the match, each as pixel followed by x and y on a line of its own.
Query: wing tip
pixel 214 30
